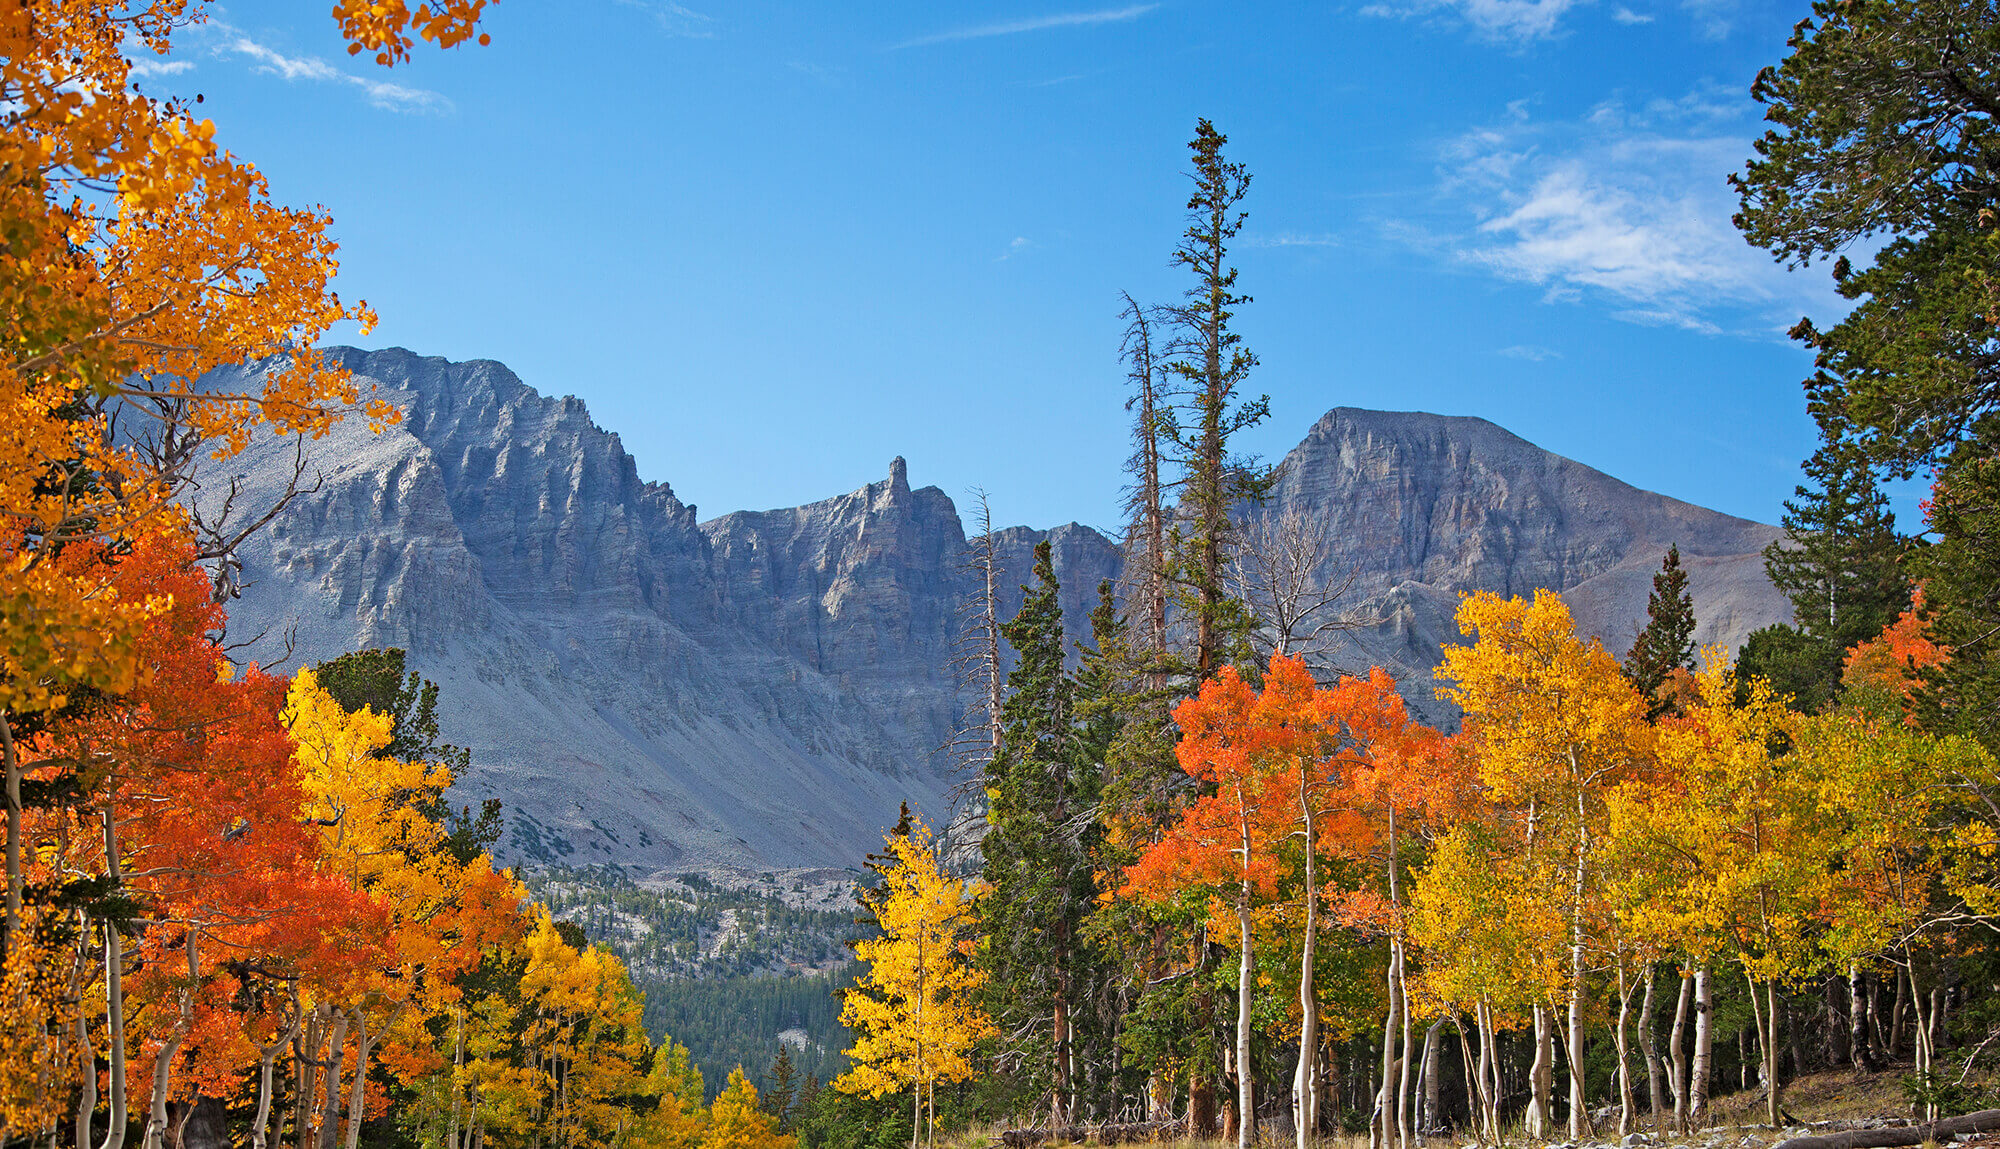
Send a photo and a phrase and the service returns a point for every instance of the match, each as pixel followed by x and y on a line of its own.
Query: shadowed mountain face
pixel 764 688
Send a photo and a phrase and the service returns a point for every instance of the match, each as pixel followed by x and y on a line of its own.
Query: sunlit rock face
pixel 765 688
pixel 1420 509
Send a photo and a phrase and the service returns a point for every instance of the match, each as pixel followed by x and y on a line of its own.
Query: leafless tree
pixel 1279 572
pixel 1145 573
pixel 172 447
pixel 975 741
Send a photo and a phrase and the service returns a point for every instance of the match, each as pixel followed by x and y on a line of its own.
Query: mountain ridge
pixel 763 688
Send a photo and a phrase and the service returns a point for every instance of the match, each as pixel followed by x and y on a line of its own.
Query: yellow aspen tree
pixel 913 1012
pixel 735 1122
pixel 1556 726
pixel 1728 848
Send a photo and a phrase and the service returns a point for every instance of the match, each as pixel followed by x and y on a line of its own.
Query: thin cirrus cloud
pixel 1504 20
pixel 1030 24
pixel 381 93
pixel 674 19
pixel 1626 209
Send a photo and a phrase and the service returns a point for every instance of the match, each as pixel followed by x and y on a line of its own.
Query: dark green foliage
pixel 1794 663
pixel 375 679
pixel 1209 364
pixel 726 1003
pixel 1667 643
pixel 1840 559
pixel 1041 831
pixel 1961 578
pixel 1887 122
pixel 728 1022
pixel 779 1087
pixel 1840 563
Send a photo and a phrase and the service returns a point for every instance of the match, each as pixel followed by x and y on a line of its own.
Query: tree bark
pixel 1704 1046
pixel 1650 1050
pixel 1246 984
pixel 163 1063
pixel 329 1118
pixel 114 995
pixel 1539 1118
pixel 12 763
pixel 1305 1080
pixel 1626 1104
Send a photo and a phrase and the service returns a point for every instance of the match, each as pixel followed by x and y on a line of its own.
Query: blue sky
pixel 773 245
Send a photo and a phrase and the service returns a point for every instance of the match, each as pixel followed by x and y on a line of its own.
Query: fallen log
pixel 1984 1121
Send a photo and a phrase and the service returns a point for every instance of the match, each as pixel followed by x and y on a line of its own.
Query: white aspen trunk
pixel 266 1070
pixel 1489 1071
pixel 1403 1072
pixel 1579 1102
pixel 1305 1081
pixel 114 1003
pixel 1772 1085
pixel 1475 1085
pixel 1704 1046
pixel 1649 1050
pixel 1626 1105
pixel 1429 1091
pixel 1541 1077
pixel 1246 978
pixel 357 1099
pixel 163 1064
pixel 86 1064
pixel 329 1118
pixel 1678 1048
pixel 1379 1127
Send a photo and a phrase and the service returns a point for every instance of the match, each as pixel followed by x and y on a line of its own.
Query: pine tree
pixel 1211 364
pixel 1839 563
pixel 1667 643
pixel 1037 848
pixel 780 1087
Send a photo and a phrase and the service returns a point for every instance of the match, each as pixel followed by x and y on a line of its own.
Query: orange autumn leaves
pixel 1361 751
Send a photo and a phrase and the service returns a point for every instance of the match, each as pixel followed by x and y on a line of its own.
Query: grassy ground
pixel 1738 1120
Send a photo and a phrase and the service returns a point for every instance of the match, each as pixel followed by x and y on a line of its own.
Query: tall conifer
pixel 1667 643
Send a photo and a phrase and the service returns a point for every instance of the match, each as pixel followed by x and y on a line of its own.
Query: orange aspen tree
pixel 1227 839
pixel 1556 727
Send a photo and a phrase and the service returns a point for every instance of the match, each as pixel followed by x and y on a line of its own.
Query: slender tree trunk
pixel 1246 984
pixel 1540 1118
pixel 1704 1046
pixel 1772 1084
pixel 1683 1103
pixel 86 1065
pixel 1649 1049
pixel 1626 1105
pixel 1432 1093
pixel 329 1118
pixel 266 1071
pixel 1305 1081
pixel 1403 1075
pixel 1383 1121
pixel 1579 1101
pixel 114 994
pixel 163 1063
pixel 12 762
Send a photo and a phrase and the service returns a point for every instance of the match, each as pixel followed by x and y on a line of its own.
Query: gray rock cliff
pixel 765 687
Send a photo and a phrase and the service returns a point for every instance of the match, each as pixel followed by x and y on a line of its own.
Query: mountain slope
pixel 763 688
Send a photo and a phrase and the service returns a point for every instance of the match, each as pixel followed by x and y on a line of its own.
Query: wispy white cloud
pixel 381 93
pixel 1033 24
pixel 149 69
pixel 1503 20
pixel 1529 353
pixel 1015 246
pixel 1291 239
pixel 1627 208
pixel 1625 15
pixel 675 19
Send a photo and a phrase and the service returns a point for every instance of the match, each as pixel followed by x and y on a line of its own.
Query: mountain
pixel 764 688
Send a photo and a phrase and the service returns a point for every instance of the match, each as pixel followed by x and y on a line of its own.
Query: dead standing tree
pixel 976 666
pixel 1279 572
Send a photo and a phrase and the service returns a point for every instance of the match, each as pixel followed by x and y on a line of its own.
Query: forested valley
pixel 1203 881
